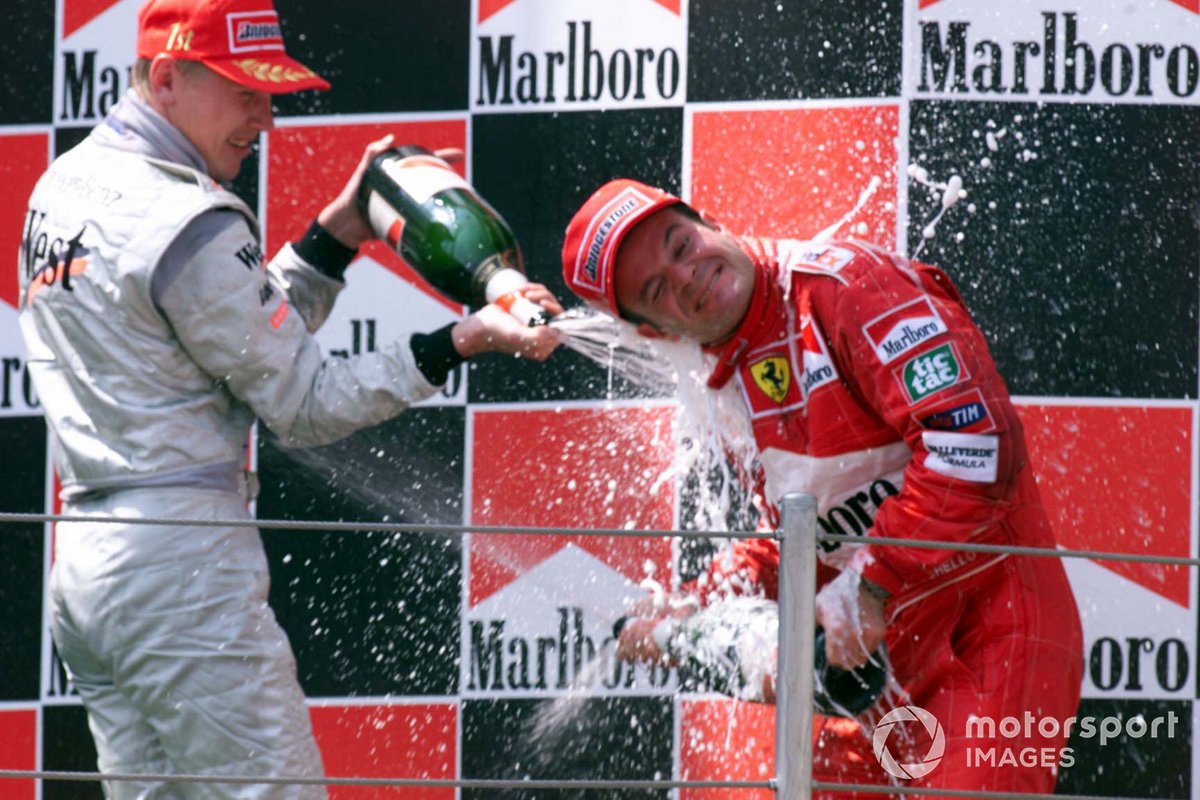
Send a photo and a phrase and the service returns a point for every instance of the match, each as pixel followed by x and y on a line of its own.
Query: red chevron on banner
pixel 1141 457
pixel 1190 5
pixel 488 8
pixel 77 13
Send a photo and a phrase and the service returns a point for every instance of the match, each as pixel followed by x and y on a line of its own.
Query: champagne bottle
pixel 730 647
pixel 445 231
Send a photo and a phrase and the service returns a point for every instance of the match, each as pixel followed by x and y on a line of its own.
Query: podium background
pixel 431 656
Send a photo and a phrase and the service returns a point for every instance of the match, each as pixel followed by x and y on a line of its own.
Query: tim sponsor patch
pixel 966 456
pixel 904 327
pixel 931 371
pixel 966 412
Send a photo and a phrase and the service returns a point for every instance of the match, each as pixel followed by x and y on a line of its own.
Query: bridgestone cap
pixel 595 232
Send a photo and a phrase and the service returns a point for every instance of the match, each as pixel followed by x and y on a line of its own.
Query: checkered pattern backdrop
pixel 1073 126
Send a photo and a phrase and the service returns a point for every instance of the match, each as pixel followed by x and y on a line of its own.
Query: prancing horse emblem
pixel 773 376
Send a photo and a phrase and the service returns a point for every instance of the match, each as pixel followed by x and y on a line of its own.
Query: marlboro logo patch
pixel 907 326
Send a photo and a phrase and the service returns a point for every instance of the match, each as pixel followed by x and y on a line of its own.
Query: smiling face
pixel 683 277
pixel 219 117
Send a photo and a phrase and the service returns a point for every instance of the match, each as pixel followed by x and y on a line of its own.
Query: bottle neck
pixel 502 281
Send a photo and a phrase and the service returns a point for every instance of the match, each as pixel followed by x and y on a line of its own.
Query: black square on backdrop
pixel 67 746
pixel 537 170
pixel 22 558
pixel 27 53
pixel 1159 767
pixel 783 49
pixel 602 738
pixel 1079 262
pixel 66 138
pixel 378 57
pixel 370 613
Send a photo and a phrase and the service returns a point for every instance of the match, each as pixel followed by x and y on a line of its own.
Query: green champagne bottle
pixel 443 229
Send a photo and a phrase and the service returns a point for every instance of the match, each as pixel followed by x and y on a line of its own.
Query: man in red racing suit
pixel 868 386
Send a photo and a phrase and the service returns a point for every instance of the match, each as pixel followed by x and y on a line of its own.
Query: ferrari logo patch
pixel 772 376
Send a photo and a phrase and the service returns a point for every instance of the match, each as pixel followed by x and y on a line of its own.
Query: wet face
pixel 683 277
pixel 219 117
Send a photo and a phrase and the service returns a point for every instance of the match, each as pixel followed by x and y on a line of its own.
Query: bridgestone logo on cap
pixel 253 31
pixel 600 234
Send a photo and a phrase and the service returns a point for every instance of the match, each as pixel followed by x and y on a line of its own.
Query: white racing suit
pixel 155 339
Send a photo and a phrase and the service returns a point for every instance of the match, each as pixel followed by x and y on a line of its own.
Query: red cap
pixel 595 233
pixel 239 39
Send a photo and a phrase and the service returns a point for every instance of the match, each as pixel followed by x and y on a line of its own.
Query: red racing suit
pixel 869 386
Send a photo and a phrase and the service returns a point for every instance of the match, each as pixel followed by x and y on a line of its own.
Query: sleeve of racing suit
pixel 310 273
pixel 232 321
pixel 919 362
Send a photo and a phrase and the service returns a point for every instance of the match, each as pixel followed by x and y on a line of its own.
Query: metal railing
pixel 798 538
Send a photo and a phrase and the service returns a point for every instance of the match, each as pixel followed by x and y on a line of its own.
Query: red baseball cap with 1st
pixel 238 39
pixel 595 232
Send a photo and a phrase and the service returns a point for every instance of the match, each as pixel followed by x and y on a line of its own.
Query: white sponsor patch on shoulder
pixel 826 257
pixel 966 456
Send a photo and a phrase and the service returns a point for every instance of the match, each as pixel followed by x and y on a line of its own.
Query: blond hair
pixel 139 77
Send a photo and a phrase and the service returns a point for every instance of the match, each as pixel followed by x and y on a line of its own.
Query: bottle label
pixel 503 279
pixel 385 220
pixel 421 177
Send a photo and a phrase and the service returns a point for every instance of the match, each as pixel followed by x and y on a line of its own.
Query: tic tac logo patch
pixel 252 31
pixel 966 412
pixel 966 456
pixel 930 372
pixel 907 326
pixel 773 377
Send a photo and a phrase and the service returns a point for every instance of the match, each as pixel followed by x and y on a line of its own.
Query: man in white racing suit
pixel 155 339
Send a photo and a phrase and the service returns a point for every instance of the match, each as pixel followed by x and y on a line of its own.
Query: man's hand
pixel 637 641
pixel 342 218
pixel 853 621
pixel 492 329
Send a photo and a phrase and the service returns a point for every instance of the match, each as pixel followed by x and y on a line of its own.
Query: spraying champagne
pixel 730 647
